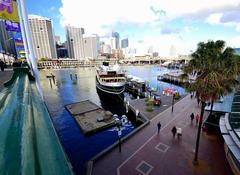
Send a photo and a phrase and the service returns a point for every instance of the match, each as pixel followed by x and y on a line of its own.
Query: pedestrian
pixel 198 101
pixel 159 127
pixel 192 117
pixel 174 130
pixel 2 65
pixel 197 118
pixel 191 95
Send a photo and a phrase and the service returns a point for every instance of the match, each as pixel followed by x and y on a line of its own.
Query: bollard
pixel 53 77
pixel 71 76
pixel 50 81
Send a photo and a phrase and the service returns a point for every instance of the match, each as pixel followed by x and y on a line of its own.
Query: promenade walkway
pixel 149 153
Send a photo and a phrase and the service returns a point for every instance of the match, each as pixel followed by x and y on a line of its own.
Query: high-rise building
pixel 105 48
pixel 91 46
pixel 115 40
pixel 75 44
pixel 57 39
pixel 6 40
pixel 42 36
pixel 124 43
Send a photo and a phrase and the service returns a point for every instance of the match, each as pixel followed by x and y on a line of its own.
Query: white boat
pixel 110 79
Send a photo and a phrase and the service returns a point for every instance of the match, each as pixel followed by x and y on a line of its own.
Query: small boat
pixel 110 79
pixel 136 86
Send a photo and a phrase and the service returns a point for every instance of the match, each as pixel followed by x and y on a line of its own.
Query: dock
pixel 90 117
pixel 175 78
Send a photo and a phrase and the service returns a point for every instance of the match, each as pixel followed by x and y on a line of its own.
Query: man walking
pixel 192 117
pixel 159 127
pixel 174 130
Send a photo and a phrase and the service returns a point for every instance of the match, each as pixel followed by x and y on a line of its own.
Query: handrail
pixel 29 143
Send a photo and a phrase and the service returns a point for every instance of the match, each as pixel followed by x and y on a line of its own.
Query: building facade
pixel 42 36
pixel 115 40
pixel 75 44
pixel 124 43
pixel 91 46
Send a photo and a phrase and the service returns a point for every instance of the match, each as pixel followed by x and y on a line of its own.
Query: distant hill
pixel 237 51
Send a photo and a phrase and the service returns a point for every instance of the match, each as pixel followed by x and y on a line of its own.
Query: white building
pixel 105 48
pixel 42 36
pixel 91 46
pixel 75 44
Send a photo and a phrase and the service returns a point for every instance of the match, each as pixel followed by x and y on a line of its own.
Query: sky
pixel 156 24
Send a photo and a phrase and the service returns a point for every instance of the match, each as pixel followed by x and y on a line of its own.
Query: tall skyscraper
pixel 75 44
pixel 42 36
pixel 91 46
pixel 124 43
pixel 115 40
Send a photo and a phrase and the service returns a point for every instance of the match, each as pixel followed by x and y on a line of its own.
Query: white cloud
pixel 103 16
pixel 214 18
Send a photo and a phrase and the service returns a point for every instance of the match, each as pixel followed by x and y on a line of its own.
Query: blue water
pixel 80 148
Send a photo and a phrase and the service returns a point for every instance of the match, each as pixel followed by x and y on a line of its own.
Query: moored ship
pixel 110 79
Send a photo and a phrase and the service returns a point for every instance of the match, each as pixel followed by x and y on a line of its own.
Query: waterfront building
pixel 124 43
pixel 105 48
pixel 6 40
pixel 75 46
pixel 42 37
pixel 117 53
pixel 91 46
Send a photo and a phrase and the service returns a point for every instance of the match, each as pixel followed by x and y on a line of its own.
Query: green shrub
pixel 149 109
pixel 177 96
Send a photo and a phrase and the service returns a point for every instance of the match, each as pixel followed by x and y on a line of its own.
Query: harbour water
pixel 80 148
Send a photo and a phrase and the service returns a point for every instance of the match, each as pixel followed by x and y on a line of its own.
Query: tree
pixel 216 69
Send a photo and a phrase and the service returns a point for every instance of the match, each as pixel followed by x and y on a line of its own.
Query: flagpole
pixel 30 51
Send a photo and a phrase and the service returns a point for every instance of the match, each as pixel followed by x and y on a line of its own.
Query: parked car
pixel 156 100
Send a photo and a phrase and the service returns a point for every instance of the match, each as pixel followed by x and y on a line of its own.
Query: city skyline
pixel 156 24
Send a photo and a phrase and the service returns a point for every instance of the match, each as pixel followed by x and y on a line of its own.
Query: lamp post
pixel 173 101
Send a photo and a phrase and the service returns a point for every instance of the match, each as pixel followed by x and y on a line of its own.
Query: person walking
pixel 197 119
pixel 192 117
pixel 159 127
pixel 174 130
pixel 2 64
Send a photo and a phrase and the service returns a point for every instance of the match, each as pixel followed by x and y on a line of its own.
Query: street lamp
pixel 120 121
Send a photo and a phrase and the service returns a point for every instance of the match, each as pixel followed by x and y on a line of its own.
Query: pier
pixel 90 117
pixel 176 78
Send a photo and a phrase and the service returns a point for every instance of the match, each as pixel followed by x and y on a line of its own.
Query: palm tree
pixel 216 69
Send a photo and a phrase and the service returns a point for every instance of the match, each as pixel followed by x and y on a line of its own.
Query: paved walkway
pixel 5 76
pixel 162 154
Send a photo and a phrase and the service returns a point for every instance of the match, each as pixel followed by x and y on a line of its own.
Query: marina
pixel 80 148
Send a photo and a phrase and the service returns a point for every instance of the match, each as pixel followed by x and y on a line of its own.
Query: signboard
pixel 8 10
pixel 12 26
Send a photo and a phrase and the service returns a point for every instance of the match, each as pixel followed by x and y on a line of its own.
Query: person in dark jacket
pixel 159 127
pixel 2 64
pixel 174 130
pixel 192 117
